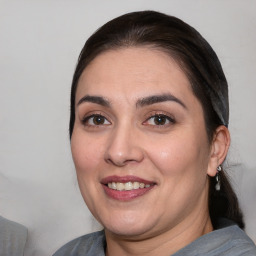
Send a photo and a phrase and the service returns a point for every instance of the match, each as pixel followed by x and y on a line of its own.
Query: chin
pixel 127 231
pixel 129 227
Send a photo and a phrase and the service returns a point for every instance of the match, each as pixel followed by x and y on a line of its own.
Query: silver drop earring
pixel 217 186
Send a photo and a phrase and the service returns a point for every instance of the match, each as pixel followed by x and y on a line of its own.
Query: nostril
pixel 116 162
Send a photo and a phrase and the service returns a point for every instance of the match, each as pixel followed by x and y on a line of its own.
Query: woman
pixel 148 130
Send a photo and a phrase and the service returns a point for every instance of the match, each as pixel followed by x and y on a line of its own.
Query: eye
pixel 95 120
pixel 159 120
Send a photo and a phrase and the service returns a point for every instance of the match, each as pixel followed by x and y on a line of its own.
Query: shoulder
pixel 233 240
pixel 9 227
pixel 90 244
pixel 13 237
pixel 228 240
pixel 239 243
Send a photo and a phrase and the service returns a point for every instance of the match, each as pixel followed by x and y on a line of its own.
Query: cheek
pixel 179 154
pixel 86 153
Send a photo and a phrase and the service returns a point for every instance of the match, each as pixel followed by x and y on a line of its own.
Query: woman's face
pixel 139 143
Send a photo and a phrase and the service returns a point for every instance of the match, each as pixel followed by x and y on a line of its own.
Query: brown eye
pixel 98 120
pixel 160 120
pixel 95 120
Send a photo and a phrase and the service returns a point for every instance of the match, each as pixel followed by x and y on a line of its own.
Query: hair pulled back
pixel 198 61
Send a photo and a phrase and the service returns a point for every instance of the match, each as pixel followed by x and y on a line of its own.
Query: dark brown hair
pixel 198 61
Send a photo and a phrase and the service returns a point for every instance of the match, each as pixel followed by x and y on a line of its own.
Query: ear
pixel 219 149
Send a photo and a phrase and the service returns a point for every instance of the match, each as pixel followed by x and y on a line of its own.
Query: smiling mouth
pixel 126 188
pixel 120 186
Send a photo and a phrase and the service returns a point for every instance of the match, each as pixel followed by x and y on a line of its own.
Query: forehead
pixel 133 71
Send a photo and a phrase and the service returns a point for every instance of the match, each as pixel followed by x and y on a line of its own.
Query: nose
pixel 124 147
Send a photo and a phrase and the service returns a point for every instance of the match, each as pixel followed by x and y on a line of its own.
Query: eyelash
pixel 166 117
pixel 85 121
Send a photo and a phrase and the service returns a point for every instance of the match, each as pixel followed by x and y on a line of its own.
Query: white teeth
pixel 127 186
pixel 113 185
pixel 136 185
pixel 120 186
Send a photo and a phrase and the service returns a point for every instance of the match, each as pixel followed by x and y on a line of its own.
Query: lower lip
pixel 125 195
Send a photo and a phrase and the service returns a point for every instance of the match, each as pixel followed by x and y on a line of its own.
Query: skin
pixel 176 156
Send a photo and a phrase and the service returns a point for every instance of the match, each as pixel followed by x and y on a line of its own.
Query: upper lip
pixel 124 179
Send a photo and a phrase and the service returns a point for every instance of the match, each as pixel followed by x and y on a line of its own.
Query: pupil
pixel 98 120
pixel 160 120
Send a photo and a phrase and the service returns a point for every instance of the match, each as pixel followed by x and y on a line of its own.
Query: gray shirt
pixel 13 238
pixel 228 240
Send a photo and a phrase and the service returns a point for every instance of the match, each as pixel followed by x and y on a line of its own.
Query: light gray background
pixel 40 42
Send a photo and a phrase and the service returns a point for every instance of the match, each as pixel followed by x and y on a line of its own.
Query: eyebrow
pixel 146 101
pixel 94 99
pixel 150 100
